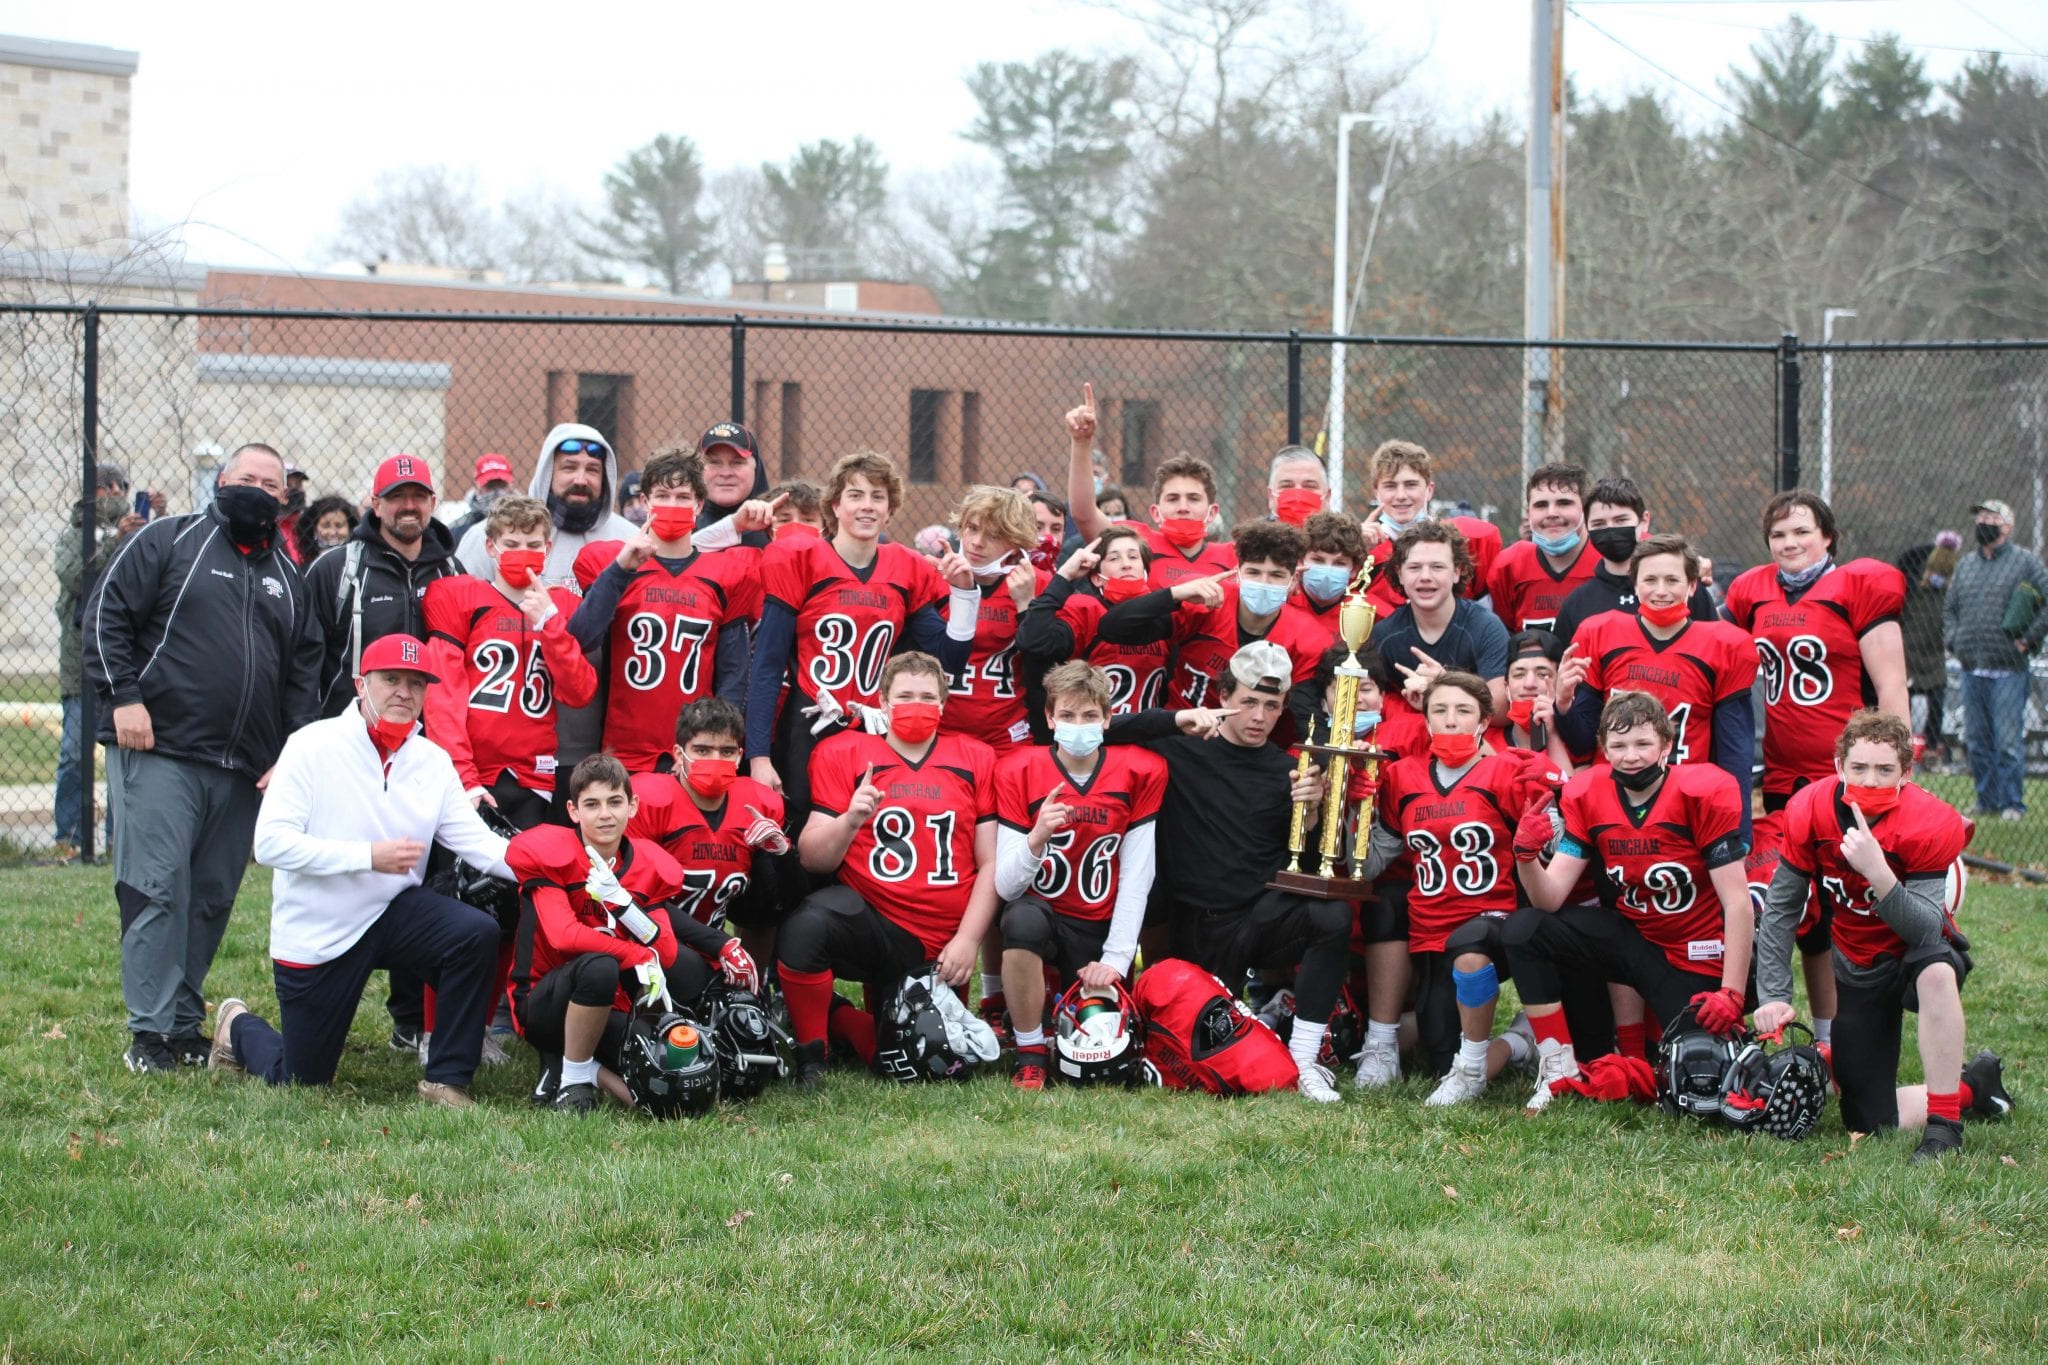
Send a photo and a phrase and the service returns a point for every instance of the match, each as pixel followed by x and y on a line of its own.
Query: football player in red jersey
pixel 799 509
pixel 836 609
pixel 985 698
pixel 1404 485
pixel 1336 552
pixel 1074 863
pixel 1700 670
pixel 1676 924
pixel 1532 577
pixel 1616 518
pixel 504 655
pixel 1454 812
pixel 1183 505
pixel 1060 623
pixel 907 821
pixel 1531 721
pixel 724 829
pixel 596 916
pixel 1827 641
pixel 675 619
pixel 1811 934
pixel 1881 852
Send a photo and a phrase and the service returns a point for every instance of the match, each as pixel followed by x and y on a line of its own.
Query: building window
pixel 970 437
pixel 600 403
pixel 924 434
pixel 792 430
pixel 1140 438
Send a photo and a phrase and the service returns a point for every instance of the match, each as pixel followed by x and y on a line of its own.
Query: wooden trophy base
pixel 1318 887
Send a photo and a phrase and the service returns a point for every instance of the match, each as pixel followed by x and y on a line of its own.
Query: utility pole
pixel 1828 318
pixel 1340 270
pixel 1543 267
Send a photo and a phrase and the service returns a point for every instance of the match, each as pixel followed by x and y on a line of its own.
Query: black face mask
pixel 1640 781
pixel 250 512
pixel 575 517
pixel 1988 532
pixel 1613 543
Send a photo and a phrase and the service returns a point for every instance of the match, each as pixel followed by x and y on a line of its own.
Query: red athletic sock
pixel 1965 1096
pixel 853 1028
pixel 428 1016
pixel 1949 1106
pixel 1550 1028
pixel 1630 1039
pixel 809 997
pixel 504 986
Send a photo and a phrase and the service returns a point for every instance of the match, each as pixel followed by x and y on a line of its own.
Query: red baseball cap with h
pixel 396 653
pixel 399 470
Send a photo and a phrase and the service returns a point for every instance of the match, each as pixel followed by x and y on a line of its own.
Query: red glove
pixel 1719 1011
pixel 1363 783
pixel 1533 830
pixel 738 966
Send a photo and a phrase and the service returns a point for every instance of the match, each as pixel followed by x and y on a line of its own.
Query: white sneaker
pixel 1556 1065
pixel 1318 1084
pixel 1458 1086
pixel 1379 1065
pixel 494 1053
pixel 1519 1026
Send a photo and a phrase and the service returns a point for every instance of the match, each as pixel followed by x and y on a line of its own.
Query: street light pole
pixel 1340 271
pixel 1827 401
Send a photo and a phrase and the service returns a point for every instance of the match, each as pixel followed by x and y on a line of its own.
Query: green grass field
pixel 194 1216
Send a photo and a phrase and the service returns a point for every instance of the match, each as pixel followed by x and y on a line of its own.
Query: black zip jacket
pixel 220 646
pixel 393 589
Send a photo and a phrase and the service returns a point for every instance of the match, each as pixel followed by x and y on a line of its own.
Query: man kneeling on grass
pixel 351 807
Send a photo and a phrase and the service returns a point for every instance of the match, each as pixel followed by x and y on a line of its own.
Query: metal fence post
pixel 88 479
pixel 1294 386
pixel 1788 411
pixel 739 368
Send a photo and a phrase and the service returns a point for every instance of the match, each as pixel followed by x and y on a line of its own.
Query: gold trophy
pixel 1340 858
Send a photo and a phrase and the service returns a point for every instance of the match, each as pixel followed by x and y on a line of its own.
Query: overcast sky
pixel 255 123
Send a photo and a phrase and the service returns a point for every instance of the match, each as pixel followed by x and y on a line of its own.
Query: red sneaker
pixel 995 1012
pixel 1028 1071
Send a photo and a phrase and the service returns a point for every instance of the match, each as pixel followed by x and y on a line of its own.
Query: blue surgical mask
pixel 1557 545
pixel 1098 485
pixel 1806 577
pixel 1262 599
pixel 1325 582
pixel 1364 723
pixel 1077 739
pixel 1394 529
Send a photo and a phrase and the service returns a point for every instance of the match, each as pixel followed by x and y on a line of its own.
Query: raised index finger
pixel 867 779
pixel 1861 823
pixel 778 500
pixel 1087 395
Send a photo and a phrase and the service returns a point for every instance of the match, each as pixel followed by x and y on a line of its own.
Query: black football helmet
pixel 1779 1090
pixel 924 1033
pixel 663 1088
pixel 1692 1064
pixel 744 1039
pixel 1098 1037
pixel 494 896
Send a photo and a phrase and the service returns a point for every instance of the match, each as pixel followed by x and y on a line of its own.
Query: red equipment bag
pixel 1198 1036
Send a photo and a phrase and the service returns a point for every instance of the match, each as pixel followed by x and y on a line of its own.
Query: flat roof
pixel 60 56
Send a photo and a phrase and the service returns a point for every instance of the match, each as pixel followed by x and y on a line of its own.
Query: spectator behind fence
pixel 114 521
pixel 490 481
pixel 294 509
pixel 632 498
pixel 327 522
pixel 201 645
pixel 1928 569
pixel 1992 621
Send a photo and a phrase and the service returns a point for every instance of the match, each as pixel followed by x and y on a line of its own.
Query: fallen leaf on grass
pixel 414 1202
pixel 1855 1138
pixel 1826 1157
pixel 739 1216
pixel 74 1147
pixel 1450 1192
pixel 55 1035
pixel 104 1139
pixel 2007 1161
pixel 1848 1234
pixel 783 1178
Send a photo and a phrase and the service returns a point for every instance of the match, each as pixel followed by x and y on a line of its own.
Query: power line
pixel 1822 33
pixel 1986 19
pixel 1735 114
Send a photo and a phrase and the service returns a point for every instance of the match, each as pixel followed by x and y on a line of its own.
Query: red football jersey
pixel 849 621
pixel 1706 662
pixel 664 640
pixel 1654 862
pixel 710 846
pixel 1324 614
pixel 1482 545
pixel 914 860
pixel 1809 652
pixel 494 708
pixel 1527 593
pixel 1170 567
pixel 559 922
pixel 1921 837
pixel 1137 673
pixel 1204 640
pixel 1460 841
pixel 1766 847
pixel 1079 875
pixel 985 700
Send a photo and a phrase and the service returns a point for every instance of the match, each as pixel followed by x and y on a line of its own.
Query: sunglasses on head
pixel 577 446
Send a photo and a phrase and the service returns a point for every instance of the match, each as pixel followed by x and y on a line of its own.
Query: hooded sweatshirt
pixel 558 571
pixel 711 513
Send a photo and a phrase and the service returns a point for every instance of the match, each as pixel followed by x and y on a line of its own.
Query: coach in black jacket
pixel 201 644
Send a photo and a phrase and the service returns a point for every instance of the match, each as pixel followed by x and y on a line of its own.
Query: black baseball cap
pixel 729 434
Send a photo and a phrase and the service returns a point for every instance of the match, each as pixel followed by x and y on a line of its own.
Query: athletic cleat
pixel 810 1066
pixel 221 1056
pixel 191 1049
pixel 1989 1099
pixel 1558 1064
pixel 1027 1072
pixel 494 1053
pixel 405 1039
pixel 1519 1026
pixel 1319 1083
pixel 1277 1010
pixel 580 1098
pixel 1942 1137
pixel 543 1096
pixel 1458 1086
pixel 446 1096
pixel 995 1012
pixel 149 1053
pixel 1379 1065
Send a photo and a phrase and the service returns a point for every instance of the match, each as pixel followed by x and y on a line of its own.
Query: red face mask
pixel 1296 505
pixel 710 778
pixel 1046 554
pixel 914 721
pixel 671 523
pixel 1664 617
pixel 1872 801
pixel 389 734
pixel 1183 532
pixel 1115 590
pixel 790 530
pixel 1454 751
pixel 1519 712
pixel 520 567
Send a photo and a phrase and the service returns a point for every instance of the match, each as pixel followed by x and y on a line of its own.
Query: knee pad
pixel 1027 927
pixel 593 979
pixel 1476 988
pixel 1331 921
pixel 1522 927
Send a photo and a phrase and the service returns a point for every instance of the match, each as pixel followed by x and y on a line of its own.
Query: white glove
pixel 828 711
pixel 766 835
pixel 603 884
pixel 654 984
pixel 872 719
pixel 966 1032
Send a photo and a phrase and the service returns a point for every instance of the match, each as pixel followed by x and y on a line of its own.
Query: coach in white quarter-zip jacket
pixel 352 806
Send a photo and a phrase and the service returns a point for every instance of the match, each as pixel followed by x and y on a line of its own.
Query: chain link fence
pixel 1904 437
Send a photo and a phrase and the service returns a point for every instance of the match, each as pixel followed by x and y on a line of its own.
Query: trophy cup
pixel 1331 870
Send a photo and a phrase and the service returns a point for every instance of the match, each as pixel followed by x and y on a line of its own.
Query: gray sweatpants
pixel 182 833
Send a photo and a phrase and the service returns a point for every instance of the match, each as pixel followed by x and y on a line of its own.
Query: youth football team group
pixel 860 759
